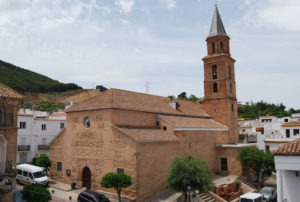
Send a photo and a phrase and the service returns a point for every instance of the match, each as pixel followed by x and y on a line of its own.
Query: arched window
pixel 214 72
pixel 215 87
pixel 213 47
pixel 221 44
pixel 229 72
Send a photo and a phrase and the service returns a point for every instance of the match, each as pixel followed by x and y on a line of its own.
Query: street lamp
pixel 189 189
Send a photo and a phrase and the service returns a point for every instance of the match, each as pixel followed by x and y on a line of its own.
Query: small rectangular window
pixel 287 132
pixel 224 164
pixel 59 166
pixel 22 125
pixel 19 172
pixel 215 87
pixel 286 120
pixel 62 125
pixel 44 126
pixel 296 131
pixel 30 175
pixel 25 173
pixel 120 170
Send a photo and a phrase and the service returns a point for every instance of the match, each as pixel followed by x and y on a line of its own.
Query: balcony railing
pixel 23 147
pixel 43 147
pixel 5 167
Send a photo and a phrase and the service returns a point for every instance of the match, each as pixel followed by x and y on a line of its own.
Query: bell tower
pixel 219 79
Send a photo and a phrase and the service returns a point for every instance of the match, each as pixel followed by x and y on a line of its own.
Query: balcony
pixel 43 147
pixel 5 168
pixel 23 147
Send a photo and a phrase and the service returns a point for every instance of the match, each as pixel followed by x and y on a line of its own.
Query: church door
pixel 86 178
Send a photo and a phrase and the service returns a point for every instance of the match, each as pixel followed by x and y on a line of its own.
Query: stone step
pixel 201 194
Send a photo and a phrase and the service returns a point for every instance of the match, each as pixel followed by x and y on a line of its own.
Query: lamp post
pixel 189 189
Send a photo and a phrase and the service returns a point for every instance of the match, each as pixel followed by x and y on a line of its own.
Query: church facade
pixel 139 134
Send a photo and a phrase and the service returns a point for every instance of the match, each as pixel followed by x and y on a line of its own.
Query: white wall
pixel 34 134
pixel 288 184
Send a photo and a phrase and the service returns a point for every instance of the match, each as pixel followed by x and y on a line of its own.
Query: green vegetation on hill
pixel 254 110
pixel 43 106
pixel 23 80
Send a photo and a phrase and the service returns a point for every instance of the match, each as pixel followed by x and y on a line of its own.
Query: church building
pixel 139 134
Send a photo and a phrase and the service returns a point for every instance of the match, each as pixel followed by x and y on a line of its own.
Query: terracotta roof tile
pixel 21 114
pixel 291 124
pixel 147 134
pixel 122 99
pixel 291 148
pixel 190 122
pixel 58 114
pixel 6 92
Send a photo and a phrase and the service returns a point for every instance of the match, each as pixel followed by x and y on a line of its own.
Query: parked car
pixel 29 174
pixel 269 193
pixel 91 196
pixel 251 197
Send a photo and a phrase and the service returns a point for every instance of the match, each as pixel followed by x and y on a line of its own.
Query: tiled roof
pixel 47 119
pixel 21 114
pixel 58 114
pixel 128 100
pixel 190 122
pixel 6 92
pixel 147 134
pixel 217 27
pixel 289 149
pixel 291 124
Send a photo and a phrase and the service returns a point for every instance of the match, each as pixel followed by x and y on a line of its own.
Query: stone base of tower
pixel 227 155
pixel 224 110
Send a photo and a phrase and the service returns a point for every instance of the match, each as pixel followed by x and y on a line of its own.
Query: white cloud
pixel 171 4
pixel 125 5
pixel 274 14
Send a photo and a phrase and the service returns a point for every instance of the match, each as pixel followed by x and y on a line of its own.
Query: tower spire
pixel 217 27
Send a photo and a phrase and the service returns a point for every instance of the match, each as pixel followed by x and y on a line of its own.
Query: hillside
pixel 23 80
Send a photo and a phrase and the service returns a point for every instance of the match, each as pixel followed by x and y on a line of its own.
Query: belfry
pixel 219 79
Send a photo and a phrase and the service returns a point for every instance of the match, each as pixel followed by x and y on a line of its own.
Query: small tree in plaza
pixel 43 161
pixel 189 174
pixel 117 181
pixel 261 162
pixel 34 193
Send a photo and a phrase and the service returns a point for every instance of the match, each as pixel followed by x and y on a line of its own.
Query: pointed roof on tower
pixel 217 28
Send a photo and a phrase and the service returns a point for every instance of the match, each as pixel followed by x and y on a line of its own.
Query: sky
pixel 126 44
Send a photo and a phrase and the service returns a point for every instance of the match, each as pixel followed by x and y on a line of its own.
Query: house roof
pixel 217 27
pixel 291 124
pixel 288 149
pixel 58 114
pixel 191 122
pixel 128 100
pixel 147 134
pixel 22 114
pixel 6 92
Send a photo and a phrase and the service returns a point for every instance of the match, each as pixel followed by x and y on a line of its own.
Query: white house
pixel 287 165
pixel 35 131
pixel 270 131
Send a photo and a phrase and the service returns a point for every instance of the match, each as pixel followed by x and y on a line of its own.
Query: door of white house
pixel 23 157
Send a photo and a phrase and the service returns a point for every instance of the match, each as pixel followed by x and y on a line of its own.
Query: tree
pixel 261 162
pixel 34 193
pixel 43 161
pixel 117 181
pixel 182 96
pixel 189 174
pixel 101 88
